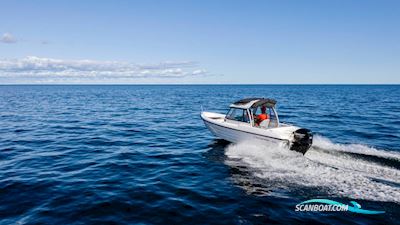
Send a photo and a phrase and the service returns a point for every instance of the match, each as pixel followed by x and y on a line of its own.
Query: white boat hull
pixel 235 132
pixel 236 136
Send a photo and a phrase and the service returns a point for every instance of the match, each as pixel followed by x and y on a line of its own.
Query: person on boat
pixel 263 116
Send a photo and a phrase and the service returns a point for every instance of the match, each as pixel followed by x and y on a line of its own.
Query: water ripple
pixel 141 154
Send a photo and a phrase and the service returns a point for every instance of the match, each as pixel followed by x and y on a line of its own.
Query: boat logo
pixel 326 205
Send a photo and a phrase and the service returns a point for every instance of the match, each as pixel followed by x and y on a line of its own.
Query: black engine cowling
pixel 302 140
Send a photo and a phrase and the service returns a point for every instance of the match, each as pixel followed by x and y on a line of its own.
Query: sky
pixel 200 42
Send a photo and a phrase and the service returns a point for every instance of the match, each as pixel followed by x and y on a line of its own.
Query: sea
pixel 140 154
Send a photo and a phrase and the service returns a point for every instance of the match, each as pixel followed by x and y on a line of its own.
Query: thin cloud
pixel 34 68
pixel 8 38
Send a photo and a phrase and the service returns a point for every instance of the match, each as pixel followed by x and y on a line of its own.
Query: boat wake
pixel 353 171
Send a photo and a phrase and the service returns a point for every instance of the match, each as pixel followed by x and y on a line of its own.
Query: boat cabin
pixel 257 112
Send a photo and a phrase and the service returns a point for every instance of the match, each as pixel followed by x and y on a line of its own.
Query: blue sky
pixel 260 42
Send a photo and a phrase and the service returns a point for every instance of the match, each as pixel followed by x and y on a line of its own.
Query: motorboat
pixel 256 119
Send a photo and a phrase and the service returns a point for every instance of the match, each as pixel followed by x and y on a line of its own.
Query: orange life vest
pixel 262 117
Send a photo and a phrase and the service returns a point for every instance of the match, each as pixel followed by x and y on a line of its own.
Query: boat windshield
pixel 237 114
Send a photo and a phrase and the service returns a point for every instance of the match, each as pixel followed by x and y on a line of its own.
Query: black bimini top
pixel 269 102
pixel 245 101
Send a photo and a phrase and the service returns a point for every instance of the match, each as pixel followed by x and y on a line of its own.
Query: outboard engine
pixel 302 140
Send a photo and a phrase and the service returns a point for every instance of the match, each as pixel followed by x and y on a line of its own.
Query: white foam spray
pixel 342 175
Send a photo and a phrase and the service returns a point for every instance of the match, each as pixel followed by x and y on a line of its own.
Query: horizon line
pixel 161 84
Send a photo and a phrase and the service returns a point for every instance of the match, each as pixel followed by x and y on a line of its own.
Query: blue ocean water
pixel 141 154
